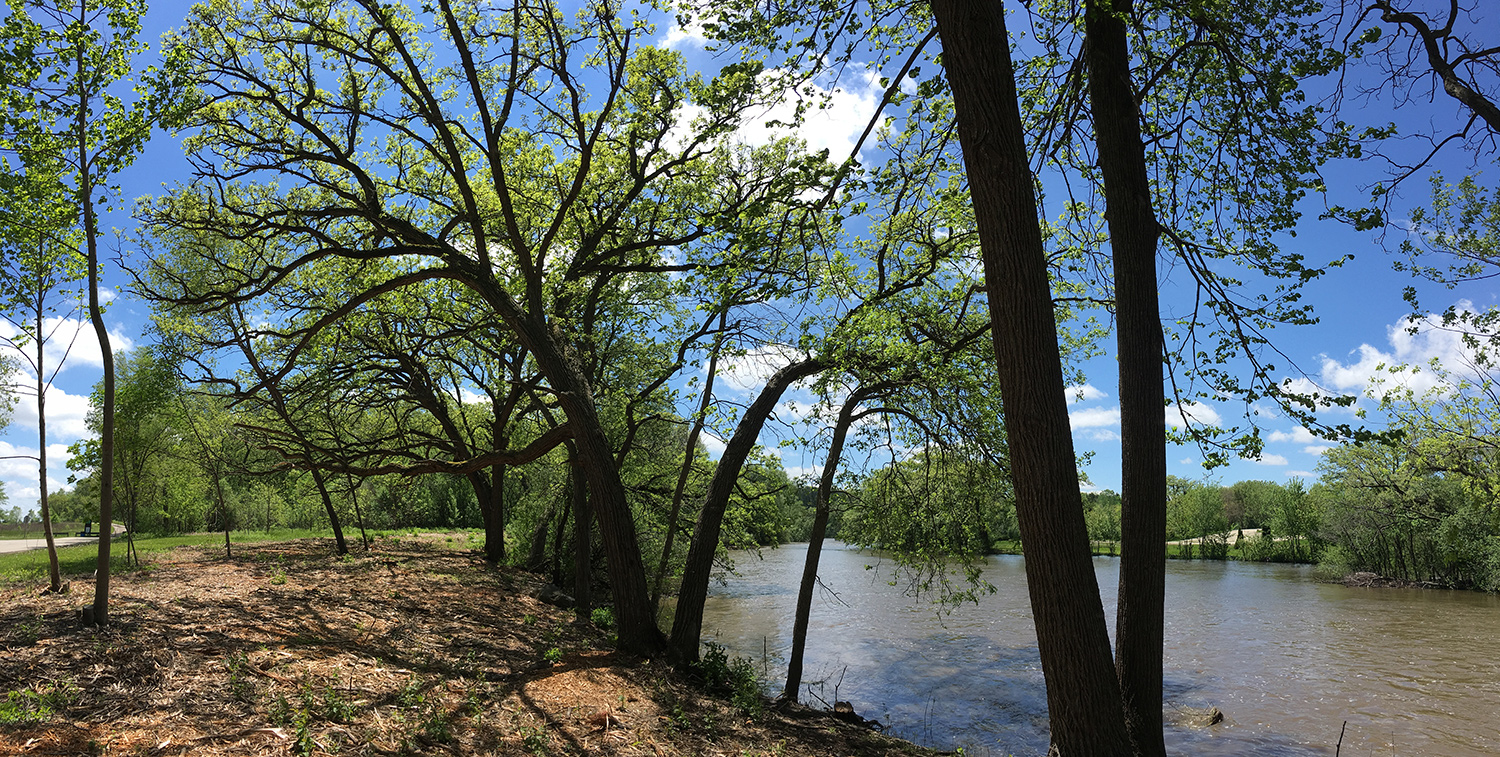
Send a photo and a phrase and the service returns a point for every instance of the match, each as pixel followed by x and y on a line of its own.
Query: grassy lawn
pixel 34 530
pixel 81 559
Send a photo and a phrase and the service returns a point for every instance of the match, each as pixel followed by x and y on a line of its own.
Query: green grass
pixel 34 530
pixel 80 560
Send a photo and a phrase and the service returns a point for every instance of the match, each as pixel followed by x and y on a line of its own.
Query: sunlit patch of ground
pixel 411 649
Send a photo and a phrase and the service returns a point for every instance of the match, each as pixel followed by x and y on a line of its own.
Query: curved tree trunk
pixel 99 612
pixel 687 624
pixel 1083 693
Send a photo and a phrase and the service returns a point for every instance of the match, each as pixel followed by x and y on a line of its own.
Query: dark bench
pixel 87 532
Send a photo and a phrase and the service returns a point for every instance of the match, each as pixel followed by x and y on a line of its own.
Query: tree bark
pixel 1133 236
pixel 54 573
pixel 99 612
pixel 687 624
pixel 815 547
pixel 583 548
pixel 1083 693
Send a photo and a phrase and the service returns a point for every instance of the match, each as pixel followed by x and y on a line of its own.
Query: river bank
pixel 287 649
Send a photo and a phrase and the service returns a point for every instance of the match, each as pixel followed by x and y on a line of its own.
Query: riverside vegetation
pixel 492 264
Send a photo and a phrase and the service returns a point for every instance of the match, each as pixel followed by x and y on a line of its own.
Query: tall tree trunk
pixel 1083 693
pixel 690 451
pixel 575 479
pixel 687 624
pixel 536 557
pixel 54 573
pixel 99 612
pixel 1133 237
pixel 815 547
pixel 636 622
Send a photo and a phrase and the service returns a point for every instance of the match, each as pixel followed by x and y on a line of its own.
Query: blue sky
pixel 1360 307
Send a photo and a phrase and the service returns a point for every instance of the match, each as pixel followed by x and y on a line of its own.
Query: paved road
pixel 21 545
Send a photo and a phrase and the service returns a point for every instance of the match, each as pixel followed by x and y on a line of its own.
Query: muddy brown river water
pixel 1288 659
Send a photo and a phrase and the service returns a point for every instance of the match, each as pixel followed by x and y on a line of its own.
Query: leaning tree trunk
pixel 1083 693
pixel 687 624
pixel 689 452
pixel 815 547
pixel 1133 233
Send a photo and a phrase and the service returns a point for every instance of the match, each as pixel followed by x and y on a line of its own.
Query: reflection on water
pixel 1287 659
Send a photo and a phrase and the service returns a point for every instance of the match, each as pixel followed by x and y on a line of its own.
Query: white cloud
pixel 1197 413
pixel 1300 474
pixel 713 444
pixel 1103 435
pixel 1187 461
pixel 680 37
pixel 749 372
pixel 66 415
pixel 1316 449
pixel 838 115
pixel 19 472
pixel 1271 460
pixel 1299 435
pixel 1094 417
pixel 71 343
pixel 1412 342
pixel 1085 393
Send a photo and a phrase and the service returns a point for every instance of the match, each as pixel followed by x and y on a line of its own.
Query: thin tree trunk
pixel 815 547
pixel 54 573
pixel 99 613
pixel 690 451
pixel 562 525
pixel 333 516
pixel 1133 236
pixel 687 624
pixel 1083 693
pixel 358 516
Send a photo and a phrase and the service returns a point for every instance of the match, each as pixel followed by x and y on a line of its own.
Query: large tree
pixel 1083 694
pixel 561 167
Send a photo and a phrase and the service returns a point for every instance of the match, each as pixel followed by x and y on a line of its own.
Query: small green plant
pixel 603 618
pixel 535 739
pixel 437 727
pixel 528 620
pixel 241 687
pixel 413 694
pixel 336 705
pixel 735 679
pixel 278 577
pixel 280 711
pixel 37 705
pixel 304 743
pixel 553 655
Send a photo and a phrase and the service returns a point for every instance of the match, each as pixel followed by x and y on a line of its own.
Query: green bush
pixel 735 679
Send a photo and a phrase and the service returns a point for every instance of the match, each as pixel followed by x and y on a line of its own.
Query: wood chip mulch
pixel 287 649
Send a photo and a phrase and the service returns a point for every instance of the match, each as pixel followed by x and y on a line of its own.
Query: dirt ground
pixel 412 649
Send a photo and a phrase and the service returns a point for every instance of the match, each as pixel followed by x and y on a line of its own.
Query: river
pixel 1287 659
